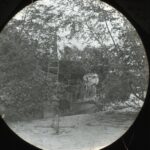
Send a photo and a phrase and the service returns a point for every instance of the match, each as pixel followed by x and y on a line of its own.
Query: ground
pixel 77 132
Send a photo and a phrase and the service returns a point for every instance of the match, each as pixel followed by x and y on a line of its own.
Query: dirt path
pixel 78 132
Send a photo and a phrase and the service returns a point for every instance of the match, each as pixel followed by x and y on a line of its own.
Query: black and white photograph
pixel 73 74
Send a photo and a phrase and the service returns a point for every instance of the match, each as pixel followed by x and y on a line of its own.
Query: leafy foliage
pixel 96 40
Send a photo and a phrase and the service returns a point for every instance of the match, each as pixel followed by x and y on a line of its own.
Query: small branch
pixel 112 38
pixel 132 105
pixel 94 34
pixel 137 96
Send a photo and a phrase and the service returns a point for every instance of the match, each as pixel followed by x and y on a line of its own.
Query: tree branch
pixel 137 96
pixel 105 20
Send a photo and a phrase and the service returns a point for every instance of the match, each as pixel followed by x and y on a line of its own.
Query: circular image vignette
pixel 73 74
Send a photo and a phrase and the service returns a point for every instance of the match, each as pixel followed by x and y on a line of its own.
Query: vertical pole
pixel 57 83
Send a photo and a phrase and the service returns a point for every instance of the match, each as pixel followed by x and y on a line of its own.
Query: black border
pixel 138 136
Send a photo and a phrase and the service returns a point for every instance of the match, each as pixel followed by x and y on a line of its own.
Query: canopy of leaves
pixel 85 37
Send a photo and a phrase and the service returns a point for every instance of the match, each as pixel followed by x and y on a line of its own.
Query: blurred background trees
pixel 96 40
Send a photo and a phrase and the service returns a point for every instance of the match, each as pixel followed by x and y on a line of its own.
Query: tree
pixel 96 40
pixel 18 80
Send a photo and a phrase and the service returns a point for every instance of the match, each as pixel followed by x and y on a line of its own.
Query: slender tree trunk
pixel 57 115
